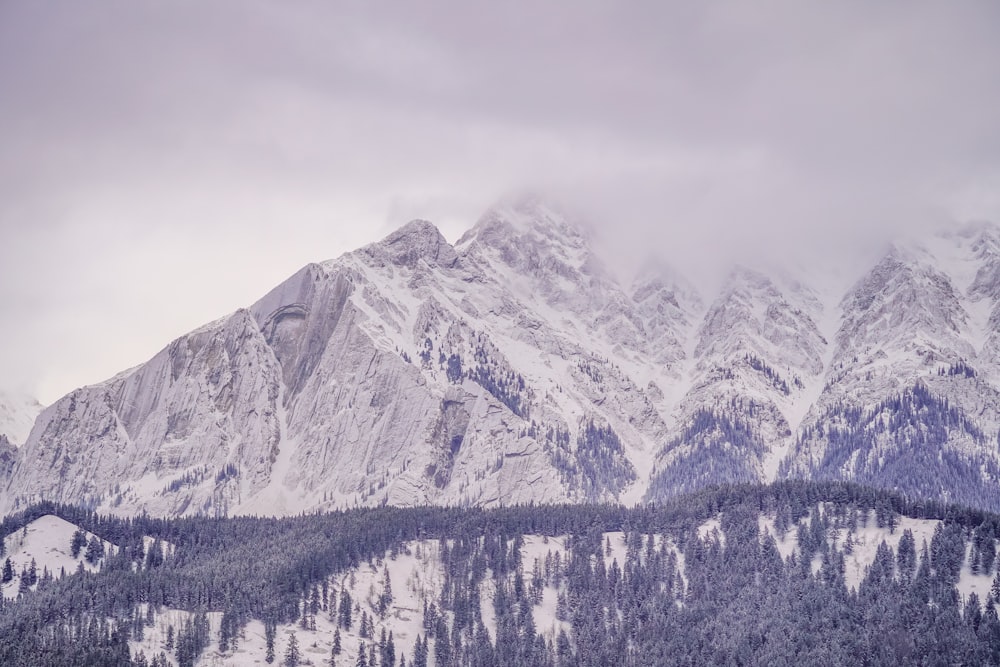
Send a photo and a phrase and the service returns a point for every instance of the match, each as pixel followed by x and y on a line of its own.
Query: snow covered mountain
pixel 514 366
pixel 910 398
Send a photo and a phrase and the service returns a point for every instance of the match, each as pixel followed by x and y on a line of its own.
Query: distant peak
pixel 742 275
pixel 416 240
pixel 527 215
pixel 656 273
pixel 975 229
pixel 416 227
pixel 658 285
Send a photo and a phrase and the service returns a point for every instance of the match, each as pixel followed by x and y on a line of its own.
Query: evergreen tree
pixel 363 630
pixel 95 550
pixel 154 557
pixel 344 616
pixel 389 652
pixel 292 654
pixel 906 555
pixel 77 543
pixel 419 653
pixel 270 630
pixel 24 585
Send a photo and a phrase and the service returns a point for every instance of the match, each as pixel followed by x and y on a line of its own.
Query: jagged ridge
pixel 515 367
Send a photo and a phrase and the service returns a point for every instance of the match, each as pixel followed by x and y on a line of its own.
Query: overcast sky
pixel 163 163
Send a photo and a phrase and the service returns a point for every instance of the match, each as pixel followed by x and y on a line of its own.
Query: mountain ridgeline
pixel 512 367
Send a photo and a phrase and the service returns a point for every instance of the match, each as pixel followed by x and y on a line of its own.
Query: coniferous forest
pixel 677 595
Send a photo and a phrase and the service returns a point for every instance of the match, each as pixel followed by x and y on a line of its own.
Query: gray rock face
pixel 8 452
pixel 513 367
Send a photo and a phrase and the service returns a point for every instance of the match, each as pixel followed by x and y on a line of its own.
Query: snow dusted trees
pixel 95 550
pixel 673 594
pixel 292 653
pixel 78 542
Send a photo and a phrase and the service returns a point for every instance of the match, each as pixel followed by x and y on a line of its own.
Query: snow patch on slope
pixel 47 541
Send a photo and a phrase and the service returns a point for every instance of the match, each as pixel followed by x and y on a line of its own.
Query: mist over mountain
pixel 18 411
pixel 513 366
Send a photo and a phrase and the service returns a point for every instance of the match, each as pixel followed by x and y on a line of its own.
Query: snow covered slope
pixel 414 579
pixel 911 398
pixel 400 593
pixel 45 543
pixel 513 366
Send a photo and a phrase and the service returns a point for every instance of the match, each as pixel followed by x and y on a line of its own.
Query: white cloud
pixel 165 164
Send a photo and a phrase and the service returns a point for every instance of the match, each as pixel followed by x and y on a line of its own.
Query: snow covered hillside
pixel 797 571
pixel 513 367
pixel 392 598
pixel 43 550
pixel 395 594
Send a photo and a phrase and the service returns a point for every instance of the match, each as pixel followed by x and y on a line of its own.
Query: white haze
pixel 166 163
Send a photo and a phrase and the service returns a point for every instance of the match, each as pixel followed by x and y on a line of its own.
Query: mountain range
pixel 513 366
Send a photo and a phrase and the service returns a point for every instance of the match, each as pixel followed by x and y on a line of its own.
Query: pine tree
pixel 906 555
pixel 8 572
pixel 344 617
pixel 95 550
pixel 419 653
pixel 77 543
pixel 973 613
pixel 304 617
pixel 292 654
pixel 366 626
pixel 269 632
pixel 389 652
pixel 336 642
pixel 362 656
pixel 154 557
pixel 314 602
pixel 23 585
pixel 385 598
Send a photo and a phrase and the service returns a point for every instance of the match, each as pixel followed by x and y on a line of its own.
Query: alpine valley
pixel 513 367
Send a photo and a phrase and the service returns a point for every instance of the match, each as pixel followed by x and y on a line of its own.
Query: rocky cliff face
pixel 514 367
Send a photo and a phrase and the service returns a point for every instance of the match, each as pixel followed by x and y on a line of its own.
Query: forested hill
pixel 794 573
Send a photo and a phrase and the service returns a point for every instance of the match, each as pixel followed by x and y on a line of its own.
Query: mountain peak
pixel 526 215
pixel 416 240
pixel 655 275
